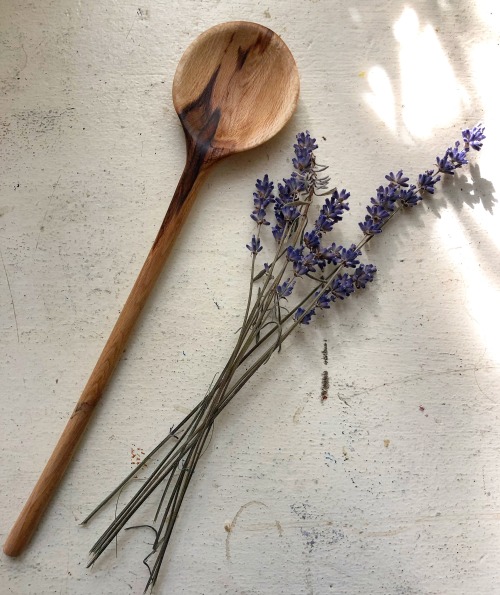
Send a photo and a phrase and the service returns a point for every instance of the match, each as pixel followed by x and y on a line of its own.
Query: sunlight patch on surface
pixel 489 11
pixel 481 295
pixel 381 98
pixel 485 78
pixel 431 96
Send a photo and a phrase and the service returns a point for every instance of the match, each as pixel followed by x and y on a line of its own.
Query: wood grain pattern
pixel 235 87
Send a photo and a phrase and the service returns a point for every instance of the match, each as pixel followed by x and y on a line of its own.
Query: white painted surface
pixel 391 485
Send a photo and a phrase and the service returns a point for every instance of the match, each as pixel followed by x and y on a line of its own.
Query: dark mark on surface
pixel 301 510
pixel 327 535
pixel 322 532
pixel 325 385
pixel 325 352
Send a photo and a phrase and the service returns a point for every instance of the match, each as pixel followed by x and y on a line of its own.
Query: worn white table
pixel 387 486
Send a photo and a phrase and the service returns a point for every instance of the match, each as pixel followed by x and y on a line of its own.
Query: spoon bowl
pixel 238 84
pixel 235 87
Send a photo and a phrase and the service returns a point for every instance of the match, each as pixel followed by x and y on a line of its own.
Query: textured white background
pixel 391 485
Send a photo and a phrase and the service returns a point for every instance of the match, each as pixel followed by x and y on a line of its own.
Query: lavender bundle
pixel 327 272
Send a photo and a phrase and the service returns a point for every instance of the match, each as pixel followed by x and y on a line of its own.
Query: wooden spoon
pixel 235 87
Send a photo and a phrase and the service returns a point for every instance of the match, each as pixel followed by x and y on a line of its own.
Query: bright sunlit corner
pixel 428 96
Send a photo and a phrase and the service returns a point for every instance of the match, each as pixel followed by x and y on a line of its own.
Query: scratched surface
pixel 365 458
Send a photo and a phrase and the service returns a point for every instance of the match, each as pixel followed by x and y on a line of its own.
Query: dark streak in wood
pixel 83 407
pixel 263 41
pixel 200 122
pixel 242 56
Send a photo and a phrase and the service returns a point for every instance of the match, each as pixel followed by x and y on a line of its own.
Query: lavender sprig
pixel 302 256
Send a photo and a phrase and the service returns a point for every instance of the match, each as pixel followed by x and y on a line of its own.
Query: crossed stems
pixel 184 454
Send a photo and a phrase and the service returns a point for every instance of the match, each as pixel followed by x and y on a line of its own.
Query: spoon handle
pixel 185 193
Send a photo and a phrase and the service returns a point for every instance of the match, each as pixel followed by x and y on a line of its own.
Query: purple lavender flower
pixel 254 245
pixel 294 254
pixel 323 224
pixel 264 191
pixel 307 317
pixel 335 206
pixel 386 197
pixel 304 141
pixel 278 232
pixel 261 200
pixel 304 265
pixel 457 157
pixel 332 210
pixel 348 256
pixel 427 181
pixel 310 261
pixel 290 213
pixel 342 286
pixel 409 198
pixel 472 138
pixel 285 289
pixel 377 213
pixel 341 197
pixel 323 301
pixel 304 148
pixel 299 268
pixel 369 227
pixel 398 179
pixel 312 240
pixel 260 217
pixel 444 165
pixel 289 191
pixel 363 274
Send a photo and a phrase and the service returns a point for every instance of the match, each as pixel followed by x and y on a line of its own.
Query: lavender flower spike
pixel 254 245
pixel 472 138
pixel 408 196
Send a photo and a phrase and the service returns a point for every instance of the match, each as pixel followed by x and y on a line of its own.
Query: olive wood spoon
pixel 235 87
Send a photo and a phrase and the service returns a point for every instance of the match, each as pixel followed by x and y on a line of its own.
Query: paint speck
pixel 329 458
pixel 362 74
pixel 386 443
pixel 136 454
